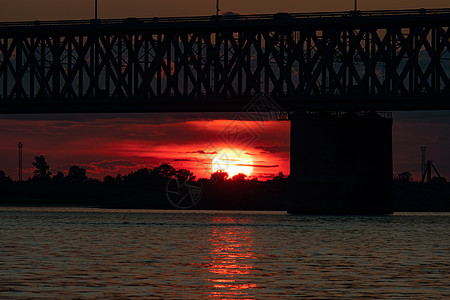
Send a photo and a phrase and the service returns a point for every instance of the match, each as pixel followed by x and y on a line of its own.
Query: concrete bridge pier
pixel 341 163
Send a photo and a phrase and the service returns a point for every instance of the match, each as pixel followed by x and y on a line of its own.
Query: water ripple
pixel 92 253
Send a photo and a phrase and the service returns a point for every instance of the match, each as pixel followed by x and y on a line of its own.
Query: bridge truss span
pixel 380 56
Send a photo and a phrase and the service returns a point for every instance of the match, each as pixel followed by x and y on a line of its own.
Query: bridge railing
pixel 233 17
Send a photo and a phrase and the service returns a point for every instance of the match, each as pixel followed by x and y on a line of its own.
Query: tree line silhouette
pixel 147 188
pixel 143 188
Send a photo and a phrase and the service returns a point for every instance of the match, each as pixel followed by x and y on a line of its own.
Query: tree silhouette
pixel 184 175
pixel 109 180
pixel 164 170
pixel 119 179
pixel 42 168
pixel 4 179
pixel 405 177
pixel 239 177
pixel 219 176
pixel 58 178
pixel 141 176
pixel 77 175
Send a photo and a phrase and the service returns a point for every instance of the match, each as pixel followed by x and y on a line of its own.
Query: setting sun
pixel 232 162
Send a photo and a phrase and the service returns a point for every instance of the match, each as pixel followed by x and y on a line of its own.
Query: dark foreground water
pixel 94 253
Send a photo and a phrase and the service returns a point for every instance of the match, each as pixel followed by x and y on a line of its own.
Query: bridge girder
pixel 292 61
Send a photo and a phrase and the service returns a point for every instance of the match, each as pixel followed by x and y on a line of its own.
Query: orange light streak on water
pixel 231 259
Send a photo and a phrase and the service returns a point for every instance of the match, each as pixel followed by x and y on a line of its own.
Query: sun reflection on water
pixel 231 267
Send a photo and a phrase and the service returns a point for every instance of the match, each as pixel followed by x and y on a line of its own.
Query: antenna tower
pixel 427 167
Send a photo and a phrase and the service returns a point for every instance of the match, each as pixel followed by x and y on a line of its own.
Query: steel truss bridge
pixel 361 60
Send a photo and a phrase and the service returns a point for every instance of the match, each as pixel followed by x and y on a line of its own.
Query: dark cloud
pixel 203 152
pixel 97 169
pixel 184 159
pixel 111 165
pixel 265 176
pixel 273 149
pixel 261 166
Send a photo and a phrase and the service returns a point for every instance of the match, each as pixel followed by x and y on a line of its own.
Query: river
pixel 88 253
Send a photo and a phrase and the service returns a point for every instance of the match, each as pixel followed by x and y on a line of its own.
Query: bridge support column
pixel 341 164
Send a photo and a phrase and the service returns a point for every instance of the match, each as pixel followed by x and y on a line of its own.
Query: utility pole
pixel 20 160
pixel 356 5
pixel 96 16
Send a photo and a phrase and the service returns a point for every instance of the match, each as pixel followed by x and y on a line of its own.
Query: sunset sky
pixel 111 144
pixel 106 144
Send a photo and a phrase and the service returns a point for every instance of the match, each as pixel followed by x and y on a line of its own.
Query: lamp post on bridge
pixel 96 16
pixel 217 8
